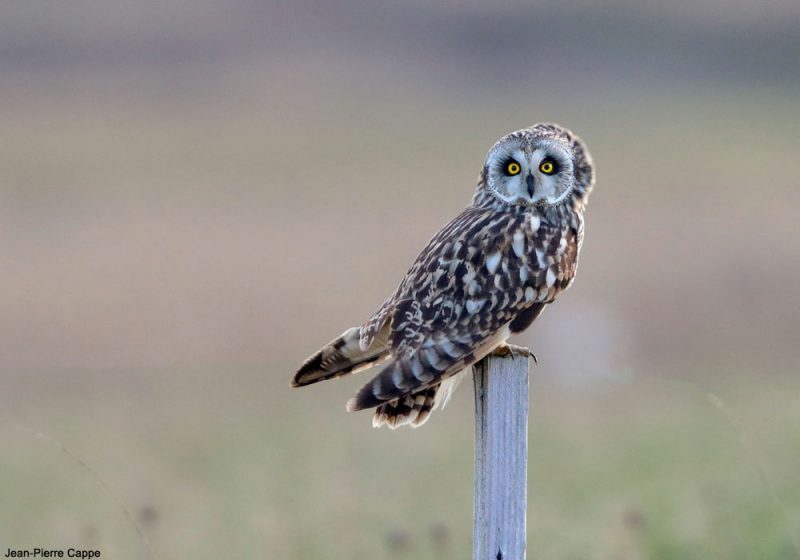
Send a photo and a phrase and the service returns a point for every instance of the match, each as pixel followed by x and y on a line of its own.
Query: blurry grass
pixel 221 462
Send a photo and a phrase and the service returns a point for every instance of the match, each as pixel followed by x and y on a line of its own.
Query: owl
pixel 486 275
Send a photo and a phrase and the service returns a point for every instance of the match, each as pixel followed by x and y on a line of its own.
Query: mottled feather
pixel 463 290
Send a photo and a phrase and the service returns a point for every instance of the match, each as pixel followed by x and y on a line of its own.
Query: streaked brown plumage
pixel 487 274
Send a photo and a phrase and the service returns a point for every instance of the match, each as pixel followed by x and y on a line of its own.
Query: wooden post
pixel 501 458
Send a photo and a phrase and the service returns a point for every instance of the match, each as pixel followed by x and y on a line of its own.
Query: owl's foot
pixel 514 351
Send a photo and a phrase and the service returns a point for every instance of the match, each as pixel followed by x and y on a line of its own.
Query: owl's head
pixel 544 165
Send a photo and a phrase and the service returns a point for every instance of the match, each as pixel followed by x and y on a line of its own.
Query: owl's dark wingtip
pixel 365 398
pixel 352 405
pixel 309 371
pixel 297 381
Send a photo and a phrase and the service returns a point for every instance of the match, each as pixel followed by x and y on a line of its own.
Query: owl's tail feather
pixel 339 357
pixel 415 371
pixel 414 409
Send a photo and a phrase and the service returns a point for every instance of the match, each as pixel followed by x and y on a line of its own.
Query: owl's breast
pixel 548 257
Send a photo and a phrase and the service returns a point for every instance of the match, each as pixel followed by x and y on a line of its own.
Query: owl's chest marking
pixel 534 259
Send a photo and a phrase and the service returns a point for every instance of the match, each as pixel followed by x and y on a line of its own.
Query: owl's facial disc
pixel 530 174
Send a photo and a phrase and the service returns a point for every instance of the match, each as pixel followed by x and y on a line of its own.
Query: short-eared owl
pixel 487 274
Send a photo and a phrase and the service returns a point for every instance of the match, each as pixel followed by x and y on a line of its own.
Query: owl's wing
pixel 454 305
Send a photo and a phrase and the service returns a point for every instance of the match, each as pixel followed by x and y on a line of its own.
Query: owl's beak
pixel 529 181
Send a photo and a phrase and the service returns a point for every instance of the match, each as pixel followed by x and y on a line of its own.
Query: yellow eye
pixel 512 168
pixel 547 167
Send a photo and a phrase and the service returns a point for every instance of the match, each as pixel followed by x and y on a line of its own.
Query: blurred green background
pixel 194 196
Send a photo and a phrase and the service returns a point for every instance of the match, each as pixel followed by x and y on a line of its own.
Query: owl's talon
pixel 514 351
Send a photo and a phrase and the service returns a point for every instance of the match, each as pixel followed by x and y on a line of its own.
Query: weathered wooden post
pixel 501 458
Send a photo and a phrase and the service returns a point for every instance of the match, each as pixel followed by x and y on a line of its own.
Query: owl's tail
pixel 340 356
pixel 415 408
pixel 412 409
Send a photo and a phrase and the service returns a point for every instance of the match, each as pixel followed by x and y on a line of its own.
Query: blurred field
pixel 221 462
pixel 210 231
pixel 195 196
